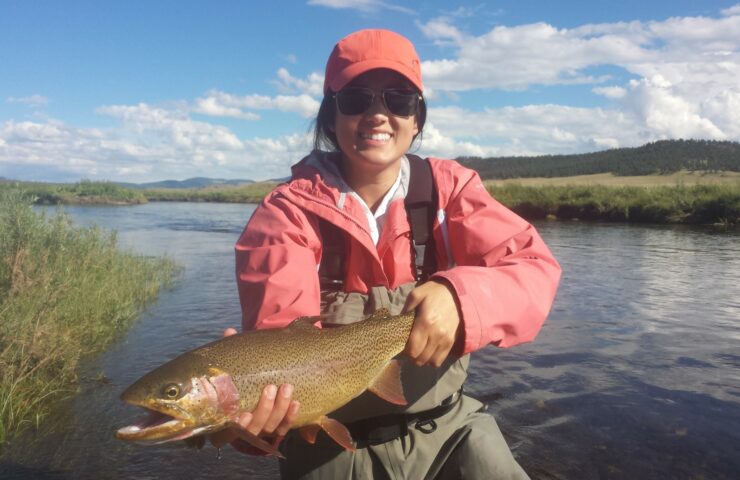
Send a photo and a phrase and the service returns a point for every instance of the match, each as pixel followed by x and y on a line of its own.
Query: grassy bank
pixel 84 192
pixel 683 177
pixel 681 197
pixel 697 204
pixel 249 193
pixel 65 292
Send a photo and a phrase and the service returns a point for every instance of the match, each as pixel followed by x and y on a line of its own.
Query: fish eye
pixel 171 391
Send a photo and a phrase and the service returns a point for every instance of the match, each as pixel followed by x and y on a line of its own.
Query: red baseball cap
pixel 367 50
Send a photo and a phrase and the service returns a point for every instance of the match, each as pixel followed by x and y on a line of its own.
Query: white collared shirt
pixel 375 221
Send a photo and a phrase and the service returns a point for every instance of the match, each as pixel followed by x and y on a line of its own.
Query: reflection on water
pixel 635 375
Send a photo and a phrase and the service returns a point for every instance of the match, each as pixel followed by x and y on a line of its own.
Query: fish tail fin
pixel 337 432
pixel 387 385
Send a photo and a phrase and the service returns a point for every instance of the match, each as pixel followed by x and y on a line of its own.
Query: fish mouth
pixel 163 423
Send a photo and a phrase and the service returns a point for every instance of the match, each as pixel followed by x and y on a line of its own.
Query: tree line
pixel 661 157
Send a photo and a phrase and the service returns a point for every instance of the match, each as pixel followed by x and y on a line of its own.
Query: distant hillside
pixel 197 182
pixel 662 157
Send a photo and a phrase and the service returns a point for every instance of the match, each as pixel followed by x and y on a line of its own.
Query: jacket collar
pixel 317 186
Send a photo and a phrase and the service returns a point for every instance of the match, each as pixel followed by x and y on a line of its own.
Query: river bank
pixel 65 293
pixel 634 375
pixel 691 199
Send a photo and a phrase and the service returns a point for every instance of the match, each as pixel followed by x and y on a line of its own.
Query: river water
pixel 636 373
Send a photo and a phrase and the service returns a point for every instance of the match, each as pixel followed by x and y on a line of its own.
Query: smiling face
pixel 376 139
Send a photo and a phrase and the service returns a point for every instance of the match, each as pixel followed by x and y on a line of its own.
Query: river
pixel 636 373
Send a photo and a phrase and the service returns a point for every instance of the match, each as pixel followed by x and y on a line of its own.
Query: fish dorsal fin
pixel 379 314
pixel 387 385
pixel 337 432
pixel 309 433
pixel 303 323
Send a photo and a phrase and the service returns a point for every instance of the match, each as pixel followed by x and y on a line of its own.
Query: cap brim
pixel 357 69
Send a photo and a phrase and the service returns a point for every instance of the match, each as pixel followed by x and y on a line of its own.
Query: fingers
pixel 415 298
pixel 275 412
pixel 437 323
pixel 262 412
pixel 289 418
pixel 279 409
pixel 429 344
pixel 229 332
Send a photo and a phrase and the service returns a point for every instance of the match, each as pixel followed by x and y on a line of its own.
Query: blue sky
pixel 144 91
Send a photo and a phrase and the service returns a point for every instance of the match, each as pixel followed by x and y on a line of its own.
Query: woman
pixel 494 282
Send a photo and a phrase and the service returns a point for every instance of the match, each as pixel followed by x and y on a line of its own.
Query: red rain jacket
pixel 503 273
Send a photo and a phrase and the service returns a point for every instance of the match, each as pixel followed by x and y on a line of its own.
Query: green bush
pixel 705 204
pixel 65 292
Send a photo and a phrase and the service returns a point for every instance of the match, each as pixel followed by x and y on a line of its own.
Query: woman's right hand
pixel 272 417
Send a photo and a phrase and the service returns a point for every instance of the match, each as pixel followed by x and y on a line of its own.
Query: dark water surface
pixel 635 375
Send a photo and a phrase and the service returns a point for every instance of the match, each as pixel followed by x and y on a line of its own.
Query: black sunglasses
pixel 357 100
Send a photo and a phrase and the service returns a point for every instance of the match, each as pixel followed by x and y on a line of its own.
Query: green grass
pixel 83 192
pixel 65 292
pixel 683 177
pixel 249 193
pixel 697 204
pixel 682 197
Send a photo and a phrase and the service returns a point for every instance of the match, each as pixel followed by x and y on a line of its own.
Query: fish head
pixel 185 397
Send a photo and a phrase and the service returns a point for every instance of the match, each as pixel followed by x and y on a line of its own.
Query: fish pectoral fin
pixel 337 432
pixel 197 441
pixel 387 385
pixel 256 441
pixel 309 433
pixel 222 437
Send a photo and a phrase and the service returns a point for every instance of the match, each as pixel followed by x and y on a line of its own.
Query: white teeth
pixel 376 136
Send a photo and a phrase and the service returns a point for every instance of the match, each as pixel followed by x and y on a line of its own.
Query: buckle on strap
pixel 426 426
pixel 384 428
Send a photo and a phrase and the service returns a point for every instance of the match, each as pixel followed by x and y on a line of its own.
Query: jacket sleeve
pixel 276 266
pixel 504 275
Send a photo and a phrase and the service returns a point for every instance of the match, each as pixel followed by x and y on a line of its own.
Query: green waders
pixel 463 443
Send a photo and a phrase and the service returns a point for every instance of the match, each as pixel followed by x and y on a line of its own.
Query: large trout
pixel 204 390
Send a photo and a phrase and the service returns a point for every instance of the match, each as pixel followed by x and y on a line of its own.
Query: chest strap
pixel 420 204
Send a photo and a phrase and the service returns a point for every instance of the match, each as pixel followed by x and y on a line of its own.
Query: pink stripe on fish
pixel 226 393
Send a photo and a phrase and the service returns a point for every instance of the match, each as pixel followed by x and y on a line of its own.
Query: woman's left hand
pixel 437 325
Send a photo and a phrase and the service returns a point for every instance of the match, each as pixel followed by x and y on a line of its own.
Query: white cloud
pixel 610 92
pixel 667 114
pixel 211 106
pixel 734 10
pixel 361 5
pixel 686 69
pixel 312 85
pixel 152 143
pixel 442 30
pixel 534 129
pixel 173 128
pixel 513 58
pixel 35 100
pixel 217 103
pixel 678 78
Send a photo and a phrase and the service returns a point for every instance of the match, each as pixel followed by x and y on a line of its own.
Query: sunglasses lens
pixel 354 101
pixel 402 103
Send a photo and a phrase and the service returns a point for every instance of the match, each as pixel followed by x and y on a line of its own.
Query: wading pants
pixel 467 444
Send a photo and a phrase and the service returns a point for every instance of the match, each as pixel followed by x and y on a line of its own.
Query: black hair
pixel 324 137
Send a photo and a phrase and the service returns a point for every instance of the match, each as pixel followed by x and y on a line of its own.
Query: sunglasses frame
pixel 373 94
